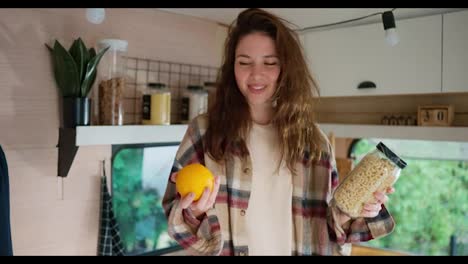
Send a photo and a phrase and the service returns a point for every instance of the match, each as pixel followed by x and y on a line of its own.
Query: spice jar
pixel 378 170
pixel 194 102
pixel 156 105
pixel 112 81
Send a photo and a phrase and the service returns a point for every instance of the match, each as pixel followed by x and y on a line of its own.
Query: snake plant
pixel 75 70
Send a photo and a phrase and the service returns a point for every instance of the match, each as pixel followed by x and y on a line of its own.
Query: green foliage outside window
pixel 139 213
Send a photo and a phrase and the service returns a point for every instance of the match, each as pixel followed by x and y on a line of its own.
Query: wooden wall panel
pixel 56 228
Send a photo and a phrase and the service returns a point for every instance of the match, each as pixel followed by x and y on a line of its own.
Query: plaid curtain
pixel 110 243
pixel 6 248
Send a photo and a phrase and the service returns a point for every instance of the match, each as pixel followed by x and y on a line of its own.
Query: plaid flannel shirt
pixel 222 231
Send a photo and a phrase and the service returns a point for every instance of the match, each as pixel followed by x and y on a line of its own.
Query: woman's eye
pixel 271 63
pixel 243 63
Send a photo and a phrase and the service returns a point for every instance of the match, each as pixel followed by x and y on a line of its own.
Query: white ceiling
pixel 306 17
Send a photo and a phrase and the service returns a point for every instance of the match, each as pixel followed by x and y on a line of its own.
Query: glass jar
pixel 194 102
pixel 156 105
pixel 112 81
pixel 378 170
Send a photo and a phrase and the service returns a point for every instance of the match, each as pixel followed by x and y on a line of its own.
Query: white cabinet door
pixel 341 59
pixel 455 52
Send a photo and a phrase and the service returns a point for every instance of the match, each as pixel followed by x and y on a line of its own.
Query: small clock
pixel 435 115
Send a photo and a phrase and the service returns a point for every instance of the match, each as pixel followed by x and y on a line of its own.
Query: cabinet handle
pixel 367 85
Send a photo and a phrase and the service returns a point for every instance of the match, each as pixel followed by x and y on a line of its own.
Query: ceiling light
pixel 391 36
pixel 95 15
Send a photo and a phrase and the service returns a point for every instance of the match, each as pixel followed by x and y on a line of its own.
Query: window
pixel 139 178
pixel 430 205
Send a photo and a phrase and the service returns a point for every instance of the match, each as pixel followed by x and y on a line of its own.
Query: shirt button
pixel 246 170
pixel 242 212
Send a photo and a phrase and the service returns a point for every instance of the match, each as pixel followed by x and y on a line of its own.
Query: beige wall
pixel 51 216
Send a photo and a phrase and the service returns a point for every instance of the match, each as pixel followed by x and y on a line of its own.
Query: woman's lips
pixel 256 89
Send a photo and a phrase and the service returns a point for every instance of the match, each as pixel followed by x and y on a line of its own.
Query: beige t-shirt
pixel 269 214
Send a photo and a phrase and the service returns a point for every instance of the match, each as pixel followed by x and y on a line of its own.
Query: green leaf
pixel 77 53
pixel 86 55
pixel 92 53
pixel 49 48
pixel 91 81
pixel 91 70
pixel 65 71
pixel 81 56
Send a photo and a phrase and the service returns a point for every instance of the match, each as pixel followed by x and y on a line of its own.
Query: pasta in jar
pixel 376 171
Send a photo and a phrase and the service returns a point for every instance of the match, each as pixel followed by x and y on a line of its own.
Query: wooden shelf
pixel 71 139
pixel 128 134
pixel 398 132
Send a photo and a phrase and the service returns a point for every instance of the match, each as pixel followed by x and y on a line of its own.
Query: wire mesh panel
pixel 176 76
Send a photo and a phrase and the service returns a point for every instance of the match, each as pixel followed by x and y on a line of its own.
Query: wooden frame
pixel 435 115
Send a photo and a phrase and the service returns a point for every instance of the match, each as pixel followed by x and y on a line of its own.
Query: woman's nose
pixel 257 70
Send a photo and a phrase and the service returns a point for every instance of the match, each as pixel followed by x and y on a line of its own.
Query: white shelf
pixel 128 134
pixel 399 132
pixel 141 134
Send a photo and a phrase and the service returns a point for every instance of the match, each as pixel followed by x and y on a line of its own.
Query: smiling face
pixel 257 69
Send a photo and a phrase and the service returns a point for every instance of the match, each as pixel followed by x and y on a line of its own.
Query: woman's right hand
pixel 203 204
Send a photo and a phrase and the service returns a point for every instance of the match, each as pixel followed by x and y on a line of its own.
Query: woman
pixel 275 170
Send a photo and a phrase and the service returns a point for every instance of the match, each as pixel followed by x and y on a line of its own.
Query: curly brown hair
pixel 229 119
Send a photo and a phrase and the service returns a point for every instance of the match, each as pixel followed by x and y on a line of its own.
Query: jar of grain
pixel 377 171
pixel 156 105
pixel 112 82
pixel 194 103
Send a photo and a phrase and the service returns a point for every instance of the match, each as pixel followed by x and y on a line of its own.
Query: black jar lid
pixel 209 83
pixel 195 87
pixel 391 155
pixel 156 85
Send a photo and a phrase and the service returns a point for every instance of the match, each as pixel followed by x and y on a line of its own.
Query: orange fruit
pixel 194 178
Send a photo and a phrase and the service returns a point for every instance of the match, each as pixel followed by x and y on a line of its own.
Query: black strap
pixel 6 248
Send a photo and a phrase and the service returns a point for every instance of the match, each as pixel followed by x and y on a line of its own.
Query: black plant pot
pixel 76 112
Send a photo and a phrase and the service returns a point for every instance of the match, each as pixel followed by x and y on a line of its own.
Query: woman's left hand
pixel 372 209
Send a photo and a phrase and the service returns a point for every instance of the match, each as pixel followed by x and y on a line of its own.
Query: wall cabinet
pixel 455 52
pixel 342 59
